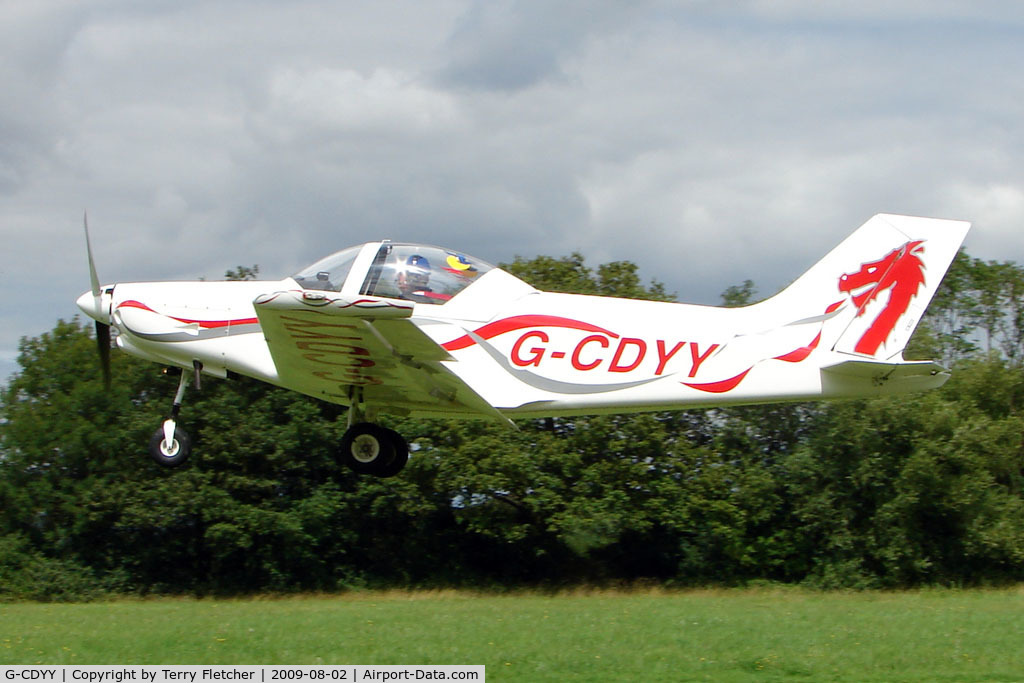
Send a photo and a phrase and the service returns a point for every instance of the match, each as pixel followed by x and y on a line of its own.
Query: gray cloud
pixel 707 144
pixel 515 44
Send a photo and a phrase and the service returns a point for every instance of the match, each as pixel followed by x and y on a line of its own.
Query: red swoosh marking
pixel 205 324
pixel 794 356
pixel 797 355
pixel 722 386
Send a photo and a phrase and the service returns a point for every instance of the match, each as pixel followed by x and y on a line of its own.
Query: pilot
pixel 413 278
pixel 413 281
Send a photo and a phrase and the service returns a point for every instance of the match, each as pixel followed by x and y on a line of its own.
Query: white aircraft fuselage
pixel 421 330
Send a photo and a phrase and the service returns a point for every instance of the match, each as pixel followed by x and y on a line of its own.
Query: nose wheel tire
pixel 368 448
pixel 173 454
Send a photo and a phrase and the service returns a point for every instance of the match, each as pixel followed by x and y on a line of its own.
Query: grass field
pixel 763 634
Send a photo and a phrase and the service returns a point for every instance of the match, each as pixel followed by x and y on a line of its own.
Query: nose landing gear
pixel 170 445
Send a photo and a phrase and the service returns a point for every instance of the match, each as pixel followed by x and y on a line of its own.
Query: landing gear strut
pixel 170 445
pixel 368 448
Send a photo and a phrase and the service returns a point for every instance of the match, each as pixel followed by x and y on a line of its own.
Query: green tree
pixel 914 489
pixel 886 492
pixel 739 295
pixel 570 274
pixel 242 273
pixel 250 511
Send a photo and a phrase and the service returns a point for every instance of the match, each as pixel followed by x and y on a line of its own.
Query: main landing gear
pixel 368 448
pixel 170 445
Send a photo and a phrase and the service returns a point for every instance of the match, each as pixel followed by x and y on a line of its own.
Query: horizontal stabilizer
pixel 853 376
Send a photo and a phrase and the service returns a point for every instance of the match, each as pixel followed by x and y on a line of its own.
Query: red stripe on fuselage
pixel 520 322
pixel 205 324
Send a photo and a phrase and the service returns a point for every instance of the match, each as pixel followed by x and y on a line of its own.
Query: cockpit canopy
pixel 414 272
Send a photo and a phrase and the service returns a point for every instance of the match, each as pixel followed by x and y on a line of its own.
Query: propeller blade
pixel 103 345
pixel 93 277
pixel 95 311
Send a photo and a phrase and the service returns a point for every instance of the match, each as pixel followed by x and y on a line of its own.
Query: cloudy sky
pixel 708 142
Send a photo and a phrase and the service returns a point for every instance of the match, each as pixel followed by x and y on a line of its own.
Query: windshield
pixel 421 273
pixel 328 273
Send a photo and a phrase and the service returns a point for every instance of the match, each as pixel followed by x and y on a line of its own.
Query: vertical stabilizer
pixel 873 288
pixel 890 286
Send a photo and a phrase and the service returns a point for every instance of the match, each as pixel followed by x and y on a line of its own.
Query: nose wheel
pixel 170 445
pixel 368 448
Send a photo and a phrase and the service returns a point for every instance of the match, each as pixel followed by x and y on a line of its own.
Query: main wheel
pixel 401 455
pixel 173 454
pixel 367 448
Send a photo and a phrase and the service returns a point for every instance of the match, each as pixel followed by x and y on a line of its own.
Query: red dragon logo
pixel 902 272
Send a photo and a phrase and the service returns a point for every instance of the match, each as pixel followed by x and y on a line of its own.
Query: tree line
pixel 891 492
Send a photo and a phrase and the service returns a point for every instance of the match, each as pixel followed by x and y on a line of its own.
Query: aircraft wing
pixel 331 347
